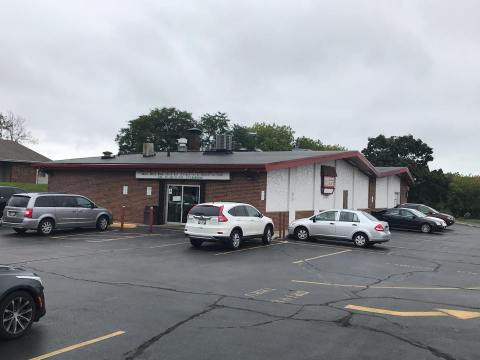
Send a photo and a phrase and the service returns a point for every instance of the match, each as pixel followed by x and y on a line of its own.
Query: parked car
pixel 6 193
pixel 21 301
pixel 411 219
pixel 46 212
pixel 351 225
pixel 228 222
pixel 429 211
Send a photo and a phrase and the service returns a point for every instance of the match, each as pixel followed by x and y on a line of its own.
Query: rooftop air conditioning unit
pixel 182 145
pixel 224 142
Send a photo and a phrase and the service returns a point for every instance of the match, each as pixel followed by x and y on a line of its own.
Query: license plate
pixel 202 222
pixel 11 213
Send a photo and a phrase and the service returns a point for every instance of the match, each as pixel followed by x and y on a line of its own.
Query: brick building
pixel 294 183
pixel 16 163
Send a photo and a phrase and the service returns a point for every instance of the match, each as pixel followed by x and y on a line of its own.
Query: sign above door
pixel 182 175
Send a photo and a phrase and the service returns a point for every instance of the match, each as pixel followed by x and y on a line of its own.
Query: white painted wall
pixel 385 191
pixel 299 189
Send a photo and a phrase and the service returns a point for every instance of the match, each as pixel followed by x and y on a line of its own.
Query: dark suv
pixel 427 210
pixel 6 193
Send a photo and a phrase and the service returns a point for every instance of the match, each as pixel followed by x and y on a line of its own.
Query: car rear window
pixel 19 201
pixel 45 201
pixel 205 210
pixel 369 216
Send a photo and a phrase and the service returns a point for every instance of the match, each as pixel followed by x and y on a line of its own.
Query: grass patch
pixel 469 221
pixel 28 187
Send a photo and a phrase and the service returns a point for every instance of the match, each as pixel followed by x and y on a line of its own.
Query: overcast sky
pixel 340 71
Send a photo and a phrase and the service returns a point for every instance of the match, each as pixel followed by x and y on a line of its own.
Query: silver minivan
pixel 45 212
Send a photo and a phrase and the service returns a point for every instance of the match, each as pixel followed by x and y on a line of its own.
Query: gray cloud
pixel 340 71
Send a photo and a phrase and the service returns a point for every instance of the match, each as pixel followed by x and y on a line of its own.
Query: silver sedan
pixel 351 225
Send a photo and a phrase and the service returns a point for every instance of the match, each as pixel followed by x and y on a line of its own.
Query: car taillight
pixel 379 227
pixel 221 218
pixel 28 213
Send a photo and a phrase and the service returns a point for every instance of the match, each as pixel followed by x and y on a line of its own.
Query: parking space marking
pixel 121 238
pixel 258 292
pixel 77 346
pixel 412 266
pixel 81 234
pixel 459 314
pixel 322 245
pixel 384 287
pixel 251 248
pixel 320 256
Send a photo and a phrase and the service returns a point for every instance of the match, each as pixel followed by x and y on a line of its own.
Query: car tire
pixel 360 240
pixel 196 242
pixel 23 304
pixel 102 223
pixel 267 235
pixel 46 227
pixel 235 240
pixel 301 233
pixel 426 228
pixel 20 231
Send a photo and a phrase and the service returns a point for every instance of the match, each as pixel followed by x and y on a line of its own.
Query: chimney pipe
pixel 148 149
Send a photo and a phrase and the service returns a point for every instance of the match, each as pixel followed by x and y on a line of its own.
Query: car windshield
pixel 19 201
pixel 417 213
pixel 369 216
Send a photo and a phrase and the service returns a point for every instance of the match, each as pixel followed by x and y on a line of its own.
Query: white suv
pixel 228 222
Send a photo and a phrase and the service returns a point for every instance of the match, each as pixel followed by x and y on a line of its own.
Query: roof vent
pixel 148 149
pixel 107 155
pixel 182 145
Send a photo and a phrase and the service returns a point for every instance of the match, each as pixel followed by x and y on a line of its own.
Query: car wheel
pixel 360 240
pixel 301 233
pixel 17 313
pixel 235 239
pixel 20 231
pixel 196 242
pixel 426 228
pixel 102 223
pixel 46 227
pixel 267 235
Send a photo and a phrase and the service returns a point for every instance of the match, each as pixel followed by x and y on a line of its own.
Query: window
pixel 393 212
pixel 19 201
pixel 348 217
pixel 84 203
pixel 327 216
pixel 204 210
pixel 406 213
pixel 252 212
pixel 369 216
pixel 238 211
pixel 65 201
pixel 45 201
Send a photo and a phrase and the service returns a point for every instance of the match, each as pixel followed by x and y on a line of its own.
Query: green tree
pixel 161 126
pixel 312 144
pixel 243 137
pixel 211 125
pixel 464 195
pixel 273 137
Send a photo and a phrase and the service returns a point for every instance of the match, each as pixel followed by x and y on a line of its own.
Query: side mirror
pixel 93 206
pixel 260 215
pixel 314 219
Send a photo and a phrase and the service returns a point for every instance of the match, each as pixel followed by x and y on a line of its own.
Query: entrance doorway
pixel 180 199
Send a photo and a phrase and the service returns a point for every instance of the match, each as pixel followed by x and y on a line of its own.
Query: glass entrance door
pixel 180 199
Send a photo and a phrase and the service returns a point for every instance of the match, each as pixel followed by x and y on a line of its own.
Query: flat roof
pixel 235 161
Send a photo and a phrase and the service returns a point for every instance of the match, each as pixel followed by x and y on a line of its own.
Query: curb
pixel 467 224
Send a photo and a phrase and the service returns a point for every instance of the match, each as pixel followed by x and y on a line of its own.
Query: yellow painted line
pixel 395 313
pixel 251 248
pixel 77 346
pixel 321 256
pixel 125 225
pixel 382 287
pixel 461 314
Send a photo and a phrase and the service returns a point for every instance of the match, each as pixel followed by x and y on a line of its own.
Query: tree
pixel 13 127
pixel 211 125
pixel 273 137
pixel 243 138
pixel 399 151
pixel 311 144
pixel 161 126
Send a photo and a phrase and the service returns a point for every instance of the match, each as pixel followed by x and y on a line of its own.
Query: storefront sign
pixel 181 175
pixel 329 173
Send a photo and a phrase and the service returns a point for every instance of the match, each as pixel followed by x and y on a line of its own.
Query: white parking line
pixel 251 248
pixel 320 256
pixel 120 238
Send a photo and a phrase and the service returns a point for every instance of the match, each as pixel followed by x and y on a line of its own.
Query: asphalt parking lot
pixel 136 295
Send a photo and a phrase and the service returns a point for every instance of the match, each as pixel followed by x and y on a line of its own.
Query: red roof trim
pixel 399 171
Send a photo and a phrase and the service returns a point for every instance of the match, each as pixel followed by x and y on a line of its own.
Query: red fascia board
pixel 314 159
pixel 126 167
pixel 403 170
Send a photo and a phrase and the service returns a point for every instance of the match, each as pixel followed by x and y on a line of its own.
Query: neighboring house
pixel 16 163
